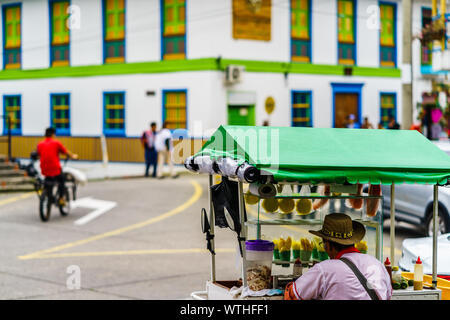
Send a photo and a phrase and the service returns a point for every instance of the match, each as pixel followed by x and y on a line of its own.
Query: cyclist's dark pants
pixel 59 180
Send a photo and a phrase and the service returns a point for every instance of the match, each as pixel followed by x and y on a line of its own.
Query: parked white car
pixel 423 248
pixel 414 202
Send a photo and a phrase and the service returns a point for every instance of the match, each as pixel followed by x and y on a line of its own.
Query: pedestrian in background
pixel 351 123
pixel 366 124
pixel 164 147
pixel 393 124
pixel 151 155
pixel 380 125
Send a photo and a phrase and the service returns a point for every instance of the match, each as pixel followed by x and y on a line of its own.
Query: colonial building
pixel 110 67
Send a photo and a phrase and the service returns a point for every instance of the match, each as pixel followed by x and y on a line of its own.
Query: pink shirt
pixel 334 280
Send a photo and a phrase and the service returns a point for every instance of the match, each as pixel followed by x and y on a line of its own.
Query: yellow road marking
pixel 130 252
pixel 179 209
pixel 17 198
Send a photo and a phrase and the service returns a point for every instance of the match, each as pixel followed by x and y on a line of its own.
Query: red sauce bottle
pixel 388 266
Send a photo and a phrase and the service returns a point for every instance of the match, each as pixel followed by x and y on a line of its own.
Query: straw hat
pixel 340 228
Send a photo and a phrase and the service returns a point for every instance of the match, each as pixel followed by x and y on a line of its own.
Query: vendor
pixel 335 279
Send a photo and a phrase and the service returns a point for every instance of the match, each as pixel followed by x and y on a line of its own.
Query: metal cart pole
pixel 392 223
pixel 435 234
pixel 212 222
pixel 243 233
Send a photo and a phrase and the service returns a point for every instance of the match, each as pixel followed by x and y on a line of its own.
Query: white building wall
pixel 143 25
pixel 209 34
pixel 86 42
pixel 324 32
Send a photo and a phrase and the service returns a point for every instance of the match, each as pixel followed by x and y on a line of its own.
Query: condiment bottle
pixel 418 275
pixel 396 275
pixel 298 269
pixel 388 266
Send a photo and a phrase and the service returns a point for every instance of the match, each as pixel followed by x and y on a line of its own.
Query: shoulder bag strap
pixel 372 293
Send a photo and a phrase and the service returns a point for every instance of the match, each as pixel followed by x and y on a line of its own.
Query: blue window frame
pixel 388 34
pixel 12 35
pixel 60 113
pixel 59 33
pixel 388 107
pixel 355 88
pixel 174 108
pixel 302 109
pixel 114 114
pixel 114 31
pixel 346 31
pixel 301 30
pixel 12 106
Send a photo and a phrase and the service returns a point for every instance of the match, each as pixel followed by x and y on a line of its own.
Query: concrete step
pixel 16 180
pixel 8 166
pixel 12 173
pixel 16 188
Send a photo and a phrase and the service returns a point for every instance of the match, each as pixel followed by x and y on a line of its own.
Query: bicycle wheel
pixel 45 204
pixel 64 205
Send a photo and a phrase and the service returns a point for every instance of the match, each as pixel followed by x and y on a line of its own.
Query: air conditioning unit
pixel 234 74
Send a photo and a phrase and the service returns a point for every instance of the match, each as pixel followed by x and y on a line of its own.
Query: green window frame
pixel 302 109
pixel 300 30
pixel 173 29
pixel 60 113
pixel 346 32
pixel 12 36
pixel 114 31
pixel 387 35
pixel 388 107
pixel 12 107
pixel 114 114
pixel 60 33
pixel 175 109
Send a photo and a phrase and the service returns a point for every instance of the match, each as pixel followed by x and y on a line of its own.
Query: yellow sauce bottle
pixel 418 275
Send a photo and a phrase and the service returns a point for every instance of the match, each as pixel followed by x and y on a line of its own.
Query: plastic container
pixel 396 275
pixel 387 265
pixel 418 275
pixel 259 264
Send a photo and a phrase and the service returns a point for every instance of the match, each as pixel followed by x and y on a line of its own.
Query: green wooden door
pixel 241 115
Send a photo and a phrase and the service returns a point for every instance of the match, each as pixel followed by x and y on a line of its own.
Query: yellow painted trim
pixel 12 66
pixel 300 119
pixel 300 59
pixel 61 120
pixel 43 253
pixel 114 106
pixel 114 120
pixel 301 105
pixel 387 64
pixel 64 63
pixel 347 62
pixel 174 56
pixel 115 60
pixel 61 107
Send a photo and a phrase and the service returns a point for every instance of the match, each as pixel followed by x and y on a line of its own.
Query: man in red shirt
pixel 49 151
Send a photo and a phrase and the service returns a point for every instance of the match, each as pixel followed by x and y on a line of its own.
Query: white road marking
pixel 100 206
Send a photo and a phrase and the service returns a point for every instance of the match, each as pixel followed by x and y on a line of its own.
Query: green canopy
pixel 332 155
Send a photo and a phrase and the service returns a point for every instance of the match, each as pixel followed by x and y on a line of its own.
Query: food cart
pixel 321 170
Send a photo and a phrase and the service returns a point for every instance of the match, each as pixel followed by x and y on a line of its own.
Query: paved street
pixel 149 246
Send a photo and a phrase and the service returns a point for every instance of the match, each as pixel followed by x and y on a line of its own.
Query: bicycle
pixel 47 190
